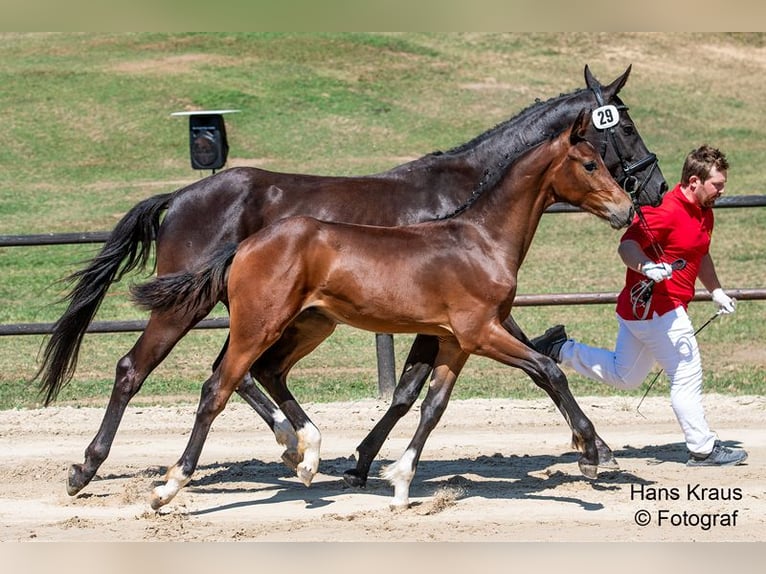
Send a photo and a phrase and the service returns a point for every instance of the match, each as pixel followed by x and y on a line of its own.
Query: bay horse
pixel 232 204
pixel 453 278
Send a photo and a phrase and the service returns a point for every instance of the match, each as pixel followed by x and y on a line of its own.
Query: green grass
pixel 87 133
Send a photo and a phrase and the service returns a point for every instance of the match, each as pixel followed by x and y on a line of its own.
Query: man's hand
pixel 726 304
pixel 657 271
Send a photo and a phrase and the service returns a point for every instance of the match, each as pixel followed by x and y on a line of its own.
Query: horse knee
pixel 126 381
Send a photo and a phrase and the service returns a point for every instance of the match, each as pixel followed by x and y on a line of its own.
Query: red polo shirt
pixel 682 230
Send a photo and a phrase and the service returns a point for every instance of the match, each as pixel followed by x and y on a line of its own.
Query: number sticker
pixel 606 117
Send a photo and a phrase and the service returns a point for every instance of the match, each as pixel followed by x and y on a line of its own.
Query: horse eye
pixel 628 130
pixel 590 166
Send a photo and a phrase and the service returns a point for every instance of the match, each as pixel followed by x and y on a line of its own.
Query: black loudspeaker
pixel 208 147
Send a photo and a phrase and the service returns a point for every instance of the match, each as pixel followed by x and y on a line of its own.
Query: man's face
pixel 711 189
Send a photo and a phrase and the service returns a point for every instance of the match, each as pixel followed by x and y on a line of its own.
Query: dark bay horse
pixel 232 204
pixel 453 278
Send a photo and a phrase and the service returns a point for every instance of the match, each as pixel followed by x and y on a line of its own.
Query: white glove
pixel 726 304
pixel 657 271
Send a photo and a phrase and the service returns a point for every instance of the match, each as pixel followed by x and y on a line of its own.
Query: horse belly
pixel 381 309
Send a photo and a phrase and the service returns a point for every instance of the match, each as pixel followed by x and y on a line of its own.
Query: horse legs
pixel 300 338
pixel 449 362
pixel 496 343
pixel 244 349
pixel 212 401
pixel 417 367
pixel 555 390
pixel 284 433
pixel 162 332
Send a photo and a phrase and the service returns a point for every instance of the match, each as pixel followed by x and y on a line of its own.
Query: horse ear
pixel 590 81
pixel 579 127
pixel 612 89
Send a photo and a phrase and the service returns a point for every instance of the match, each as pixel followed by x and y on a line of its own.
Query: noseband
pixel 628 180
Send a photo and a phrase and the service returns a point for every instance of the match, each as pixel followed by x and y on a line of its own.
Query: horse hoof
pixel 605 455
pixel 76 480
pixel 305 474
pixel 158 500
pixel 353 478
pixel 607 461
pixel 398 506
pixel 587 469
pixel 291 459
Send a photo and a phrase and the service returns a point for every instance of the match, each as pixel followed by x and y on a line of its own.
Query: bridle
pixel 641 293
pixel 628 179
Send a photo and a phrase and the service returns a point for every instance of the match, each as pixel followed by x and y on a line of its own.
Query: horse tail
pixel 187 290
pixel 127 248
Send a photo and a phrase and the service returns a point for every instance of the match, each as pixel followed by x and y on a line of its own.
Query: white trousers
pixel 666 339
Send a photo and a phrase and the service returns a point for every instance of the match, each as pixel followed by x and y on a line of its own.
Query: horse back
pixel 233 204
pixel 370 277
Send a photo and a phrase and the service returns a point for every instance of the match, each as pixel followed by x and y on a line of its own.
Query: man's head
pixel 704 174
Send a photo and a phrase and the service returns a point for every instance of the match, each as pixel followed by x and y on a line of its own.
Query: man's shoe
pixel 720 456
pixel 550 342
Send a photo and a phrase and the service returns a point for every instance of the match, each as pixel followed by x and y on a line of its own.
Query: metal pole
pixel 384 345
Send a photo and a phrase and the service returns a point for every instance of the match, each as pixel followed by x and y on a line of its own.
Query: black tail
pixel 128 247
pixel 188 289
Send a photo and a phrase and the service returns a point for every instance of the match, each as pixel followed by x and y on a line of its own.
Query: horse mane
pixel 488 184
pixel 495 173
pixel 528 111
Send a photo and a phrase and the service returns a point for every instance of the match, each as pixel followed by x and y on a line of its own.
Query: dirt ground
pixel 492 471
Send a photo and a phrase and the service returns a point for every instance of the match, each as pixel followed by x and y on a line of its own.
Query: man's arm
pixel 709 278
pixel 707 275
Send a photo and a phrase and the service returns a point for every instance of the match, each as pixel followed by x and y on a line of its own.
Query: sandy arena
pixel 492 471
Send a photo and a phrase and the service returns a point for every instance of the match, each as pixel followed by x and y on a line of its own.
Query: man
pixel 651 308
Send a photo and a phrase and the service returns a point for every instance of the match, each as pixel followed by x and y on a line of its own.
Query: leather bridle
pixel 628 179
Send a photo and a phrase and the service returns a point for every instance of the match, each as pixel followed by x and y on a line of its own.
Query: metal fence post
pixel 384 345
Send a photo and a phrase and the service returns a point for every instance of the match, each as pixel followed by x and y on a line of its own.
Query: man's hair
pixel 701 161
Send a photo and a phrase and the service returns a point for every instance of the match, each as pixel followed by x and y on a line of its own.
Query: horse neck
pixel 509 213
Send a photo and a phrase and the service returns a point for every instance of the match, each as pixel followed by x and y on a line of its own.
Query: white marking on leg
pixel 284 431
pixel 309 443
pixel 285 435
pixel 400 475
pixel 175 481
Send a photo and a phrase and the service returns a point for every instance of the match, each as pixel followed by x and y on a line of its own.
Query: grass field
pixel 87 133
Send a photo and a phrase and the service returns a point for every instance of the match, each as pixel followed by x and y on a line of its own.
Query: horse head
pixel 621 145
pixel 582 178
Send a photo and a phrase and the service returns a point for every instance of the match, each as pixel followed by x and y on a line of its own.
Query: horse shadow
pixel 512 477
